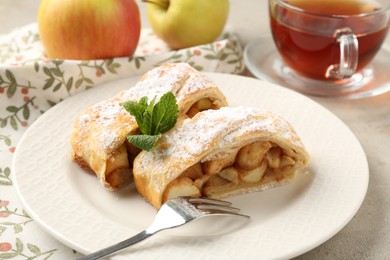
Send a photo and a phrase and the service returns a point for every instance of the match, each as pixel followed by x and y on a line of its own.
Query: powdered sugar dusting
pixel 108 112
pixel 98 127
pixel 158 82
pixel 179 78
pixel 83 120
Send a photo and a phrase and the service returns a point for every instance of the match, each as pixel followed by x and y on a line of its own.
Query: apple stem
pixel 156 3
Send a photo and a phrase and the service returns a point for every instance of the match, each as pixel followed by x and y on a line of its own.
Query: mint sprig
pixel 152 118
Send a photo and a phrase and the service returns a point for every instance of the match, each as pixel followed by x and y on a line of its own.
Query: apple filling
pixel 200 105
pixel 254 165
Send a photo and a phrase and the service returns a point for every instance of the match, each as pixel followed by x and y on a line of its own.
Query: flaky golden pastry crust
pixel 99 134
pixel 220 153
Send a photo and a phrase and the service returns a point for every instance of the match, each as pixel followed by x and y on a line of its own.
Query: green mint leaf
pixel 165 113
pixel 144 142
pixel 153 119
pixel 147 124
pixel 137 109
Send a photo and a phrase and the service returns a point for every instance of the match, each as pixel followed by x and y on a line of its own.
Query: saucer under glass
pixel 264 62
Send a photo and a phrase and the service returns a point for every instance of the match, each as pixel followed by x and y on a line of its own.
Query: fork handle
pixel 119 246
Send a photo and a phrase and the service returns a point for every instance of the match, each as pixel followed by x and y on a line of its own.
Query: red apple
pixel 89 29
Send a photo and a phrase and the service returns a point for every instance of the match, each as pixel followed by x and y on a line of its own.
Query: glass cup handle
pixel 348 55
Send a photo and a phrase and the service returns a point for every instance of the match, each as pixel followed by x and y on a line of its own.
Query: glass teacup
pixel 328 44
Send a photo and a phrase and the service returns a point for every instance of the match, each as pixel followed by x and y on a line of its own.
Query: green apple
pixel 186 23
pixel 89 29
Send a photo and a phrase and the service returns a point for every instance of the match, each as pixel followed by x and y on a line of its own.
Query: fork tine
pixel 209 201
pixel 211 206
pixel 215 209
pixel 218 208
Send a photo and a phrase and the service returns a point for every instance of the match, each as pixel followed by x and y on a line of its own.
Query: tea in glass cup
pixel 327 42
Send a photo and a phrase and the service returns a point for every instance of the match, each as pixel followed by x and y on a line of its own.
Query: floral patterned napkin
pixel 30 84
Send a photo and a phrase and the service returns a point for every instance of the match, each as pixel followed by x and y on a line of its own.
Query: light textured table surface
pixel 367 236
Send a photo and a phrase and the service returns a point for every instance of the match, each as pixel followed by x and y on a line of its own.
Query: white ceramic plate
pixel 286 221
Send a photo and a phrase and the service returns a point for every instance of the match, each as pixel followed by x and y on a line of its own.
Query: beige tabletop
pixel 367 236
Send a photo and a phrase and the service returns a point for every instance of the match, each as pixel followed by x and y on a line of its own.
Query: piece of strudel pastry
pixel 219 153
pixel 99 137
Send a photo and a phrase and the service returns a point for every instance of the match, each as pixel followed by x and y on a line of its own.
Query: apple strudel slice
pixel 99 137
pixel 220 153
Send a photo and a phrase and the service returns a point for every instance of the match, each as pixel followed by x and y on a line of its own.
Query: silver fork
pixel 174 213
